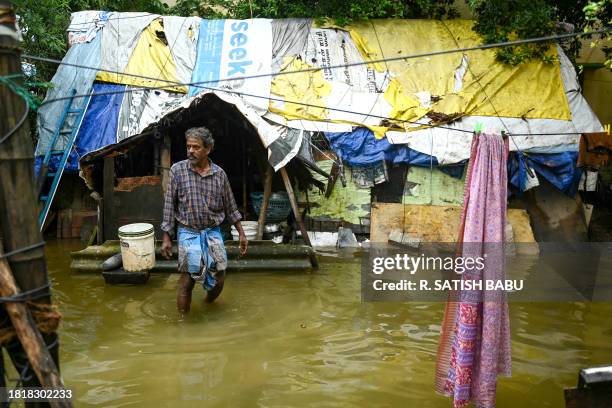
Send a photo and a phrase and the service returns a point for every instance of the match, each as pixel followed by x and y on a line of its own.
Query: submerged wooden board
pixel 433 223
pixel 262 255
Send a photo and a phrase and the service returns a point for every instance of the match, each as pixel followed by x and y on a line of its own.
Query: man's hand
pixel 241 238
pixel 166 248
pixel 244 243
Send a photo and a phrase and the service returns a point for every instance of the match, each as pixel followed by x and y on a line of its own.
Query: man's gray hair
pixel 201 133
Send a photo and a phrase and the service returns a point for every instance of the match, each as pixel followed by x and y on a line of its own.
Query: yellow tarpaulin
pixel 307 88
pixel 152 58
pixel 448 85
pixel 530 90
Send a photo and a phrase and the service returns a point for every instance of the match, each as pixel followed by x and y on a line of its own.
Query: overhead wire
pixel 338 66
pixel 271 98
pixel 199 84
pixel 113 19
pixel 338 159
pixel 482 88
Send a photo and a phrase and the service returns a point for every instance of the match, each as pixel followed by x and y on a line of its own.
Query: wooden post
pixel 18 201
pixel 244 177
pixel 30 337
pixel 296 212
pixel 166 161
pixel 265 201
pixel 108 191
pixel 331 182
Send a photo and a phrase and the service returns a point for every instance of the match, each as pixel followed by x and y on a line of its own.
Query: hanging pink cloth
pixel 474 345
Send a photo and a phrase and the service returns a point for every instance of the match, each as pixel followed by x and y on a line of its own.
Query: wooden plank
pixel 433 223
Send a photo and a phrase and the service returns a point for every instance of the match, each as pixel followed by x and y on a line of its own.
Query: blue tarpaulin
pixel 99 127
pixel 558 168
pixel 360 148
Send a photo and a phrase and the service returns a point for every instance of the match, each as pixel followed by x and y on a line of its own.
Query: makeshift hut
pixel 365 104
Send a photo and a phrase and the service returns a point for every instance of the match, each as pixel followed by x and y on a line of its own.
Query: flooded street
pixel 293 339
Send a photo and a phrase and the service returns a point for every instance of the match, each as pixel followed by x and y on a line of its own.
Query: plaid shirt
pixel 196 201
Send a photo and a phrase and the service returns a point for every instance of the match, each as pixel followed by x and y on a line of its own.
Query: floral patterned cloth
pixel 475 340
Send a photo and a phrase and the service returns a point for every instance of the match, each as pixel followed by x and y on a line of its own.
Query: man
pixel 198 199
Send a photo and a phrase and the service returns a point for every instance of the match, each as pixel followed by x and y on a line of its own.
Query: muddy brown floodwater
pixel 294 339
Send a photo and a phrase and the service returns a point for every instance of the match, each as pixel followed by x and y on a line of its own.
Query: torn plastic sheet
pixel 360 148
pixel 141 107
pixel 182 35
pixel 119 38
pixel 285 147
pixel 84 25
pixel 64 81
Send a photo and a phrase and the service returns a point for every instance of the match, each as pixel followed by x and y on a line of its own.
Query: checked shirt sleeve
pixel 232 215
pixel 170 200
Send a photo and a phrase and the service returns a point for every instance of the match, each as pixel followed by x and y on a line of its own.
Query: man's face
pixel 197 153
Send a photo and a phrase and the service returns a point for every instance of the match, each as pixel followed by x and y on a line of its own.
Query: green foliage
pixel 598 15
pixel 341 11
pixel 43 24
pixel 501 20
pixel 430 9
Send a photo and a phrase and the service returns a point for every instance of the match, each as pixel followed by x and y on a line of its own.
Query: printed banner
pixel 228 51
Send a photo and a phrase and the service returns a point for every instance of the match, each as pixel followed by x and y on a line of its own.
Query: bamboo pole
pixel 264 203
pixel 18 201
pixel 293 201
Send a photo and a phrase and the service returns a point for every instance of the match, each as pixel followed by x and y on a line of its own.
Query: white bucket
pixel 137 247
pixel 250 230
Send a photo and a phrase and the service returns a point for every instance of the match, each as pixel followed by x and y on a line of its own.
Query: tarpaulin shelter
pixel 291 78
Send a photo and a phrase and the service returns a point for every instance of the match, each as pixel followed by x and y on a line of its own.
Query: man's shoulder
pixel 179 165
pixel 218 169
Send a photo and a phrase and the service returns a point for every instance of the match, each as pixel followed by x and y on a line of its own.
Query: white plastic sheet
pixel 84 25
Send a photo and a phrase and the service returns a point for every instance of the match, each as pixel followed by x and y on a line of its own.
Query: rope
pixel 29 100
pixel 112 19
pixel 20 250
pixel 33 101
pixel 31 294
